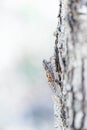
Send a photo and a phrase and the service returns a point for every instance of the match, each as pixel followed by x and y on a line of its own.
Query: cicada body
pixel 49 74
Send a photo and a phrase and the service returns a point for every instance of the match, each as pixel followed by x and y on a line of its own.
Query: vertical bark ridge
pixel 70 66
pixel 83 93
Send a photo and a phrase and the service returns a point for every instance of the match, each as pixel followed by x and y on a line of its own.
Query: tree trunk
pixel 67 71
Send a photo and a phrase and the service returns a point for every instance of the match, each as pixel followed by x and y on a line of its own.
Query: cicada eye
pixel 43 61
pixel 45 64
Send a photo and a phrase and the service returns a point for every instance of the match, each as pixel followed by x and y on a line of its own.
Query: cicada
pixel 50 74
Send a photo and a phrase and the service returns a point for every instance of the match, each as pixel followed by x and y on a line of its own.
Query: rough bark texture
pixel 67 72
pixel 77 60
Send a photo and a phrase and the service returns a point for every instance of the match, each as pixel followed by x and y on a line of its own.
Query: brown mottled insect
pixel 49 74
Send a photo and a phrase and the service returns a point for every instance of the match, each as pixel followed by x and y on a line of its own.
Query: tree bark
pixel 67 72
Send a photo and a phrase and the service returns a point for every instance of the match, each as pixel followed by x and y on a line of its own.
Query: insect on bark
pixel 50 74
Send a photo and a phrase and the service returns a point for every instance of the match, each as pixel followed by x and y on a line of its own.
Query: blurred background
pixel 26 38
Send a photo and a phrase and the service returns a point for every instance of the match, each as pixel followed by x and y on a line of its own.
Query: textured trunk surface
pixel 77 62
pixel 67 72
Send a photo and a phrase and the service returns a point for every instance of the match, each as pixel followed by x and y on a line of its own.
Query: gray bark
pixel 68 78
